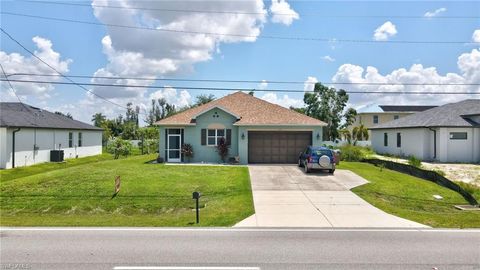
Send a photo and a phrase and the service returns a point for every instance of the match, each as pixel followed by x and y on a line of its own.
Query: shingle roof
pixel 16 114
pixel 405 108
pixel 251 110
pixel 448 115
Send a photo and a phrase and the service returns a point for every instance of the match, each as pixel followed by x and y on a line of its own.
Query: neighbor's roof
pixel 16 114
pixel 374 108
pixel 448 115
pixel 251 110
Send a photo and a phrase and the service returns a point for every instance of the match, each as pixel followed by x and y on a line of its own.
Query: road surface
pixel 252 249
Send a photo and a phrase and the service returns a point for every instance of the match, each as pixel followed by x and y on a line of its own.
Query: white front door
pixel 174 142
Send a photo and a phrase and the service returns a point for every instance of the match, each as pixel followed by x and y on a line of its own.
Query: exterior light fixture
pixel 318 136
pixel 243 136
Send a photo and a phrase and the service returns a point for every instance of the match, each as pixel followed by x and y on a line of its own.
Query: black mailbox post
pixel 196 195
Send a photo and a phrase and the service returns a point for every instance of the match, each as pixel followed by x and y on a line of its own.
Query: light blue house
pixel 255 130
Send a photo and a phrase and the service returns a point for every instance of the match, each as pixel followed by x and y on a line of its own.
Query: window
pixel 70 139
pixel 80 139
pixel 385 139
pixel 214 136
pixel 399 140
pixel 458 135
pixel 395 117
pixel 375 119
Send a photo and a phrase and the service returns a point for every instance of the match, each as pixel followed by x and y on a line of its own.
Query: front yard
pixel 80 194
pixel 412 198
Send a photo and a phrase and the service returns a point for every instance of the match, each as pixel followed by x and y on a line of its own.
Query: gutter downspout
pixel 434 143
pixel 13 146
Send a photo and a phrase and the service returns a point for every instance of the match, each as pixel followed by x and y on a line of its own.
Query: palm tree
pixel 345 133
pixel 98 119
pixel 359 133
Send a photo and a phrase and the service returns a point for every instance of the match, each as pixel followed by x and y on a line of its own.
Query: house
pixel 374 114
pixel 449 133
pixel 28 134
pixel 257 131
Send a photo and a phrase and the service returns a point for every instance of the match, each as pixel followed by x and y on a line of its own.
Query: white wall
pixel 46 140
pixel 414 142
pixel 461 150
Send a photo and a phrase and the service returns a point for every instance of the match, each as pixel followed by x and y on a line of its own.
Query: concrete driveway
pixel 284 196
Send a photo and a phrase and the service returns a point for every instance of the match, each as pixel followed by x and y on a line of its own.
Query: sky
pixel 238 40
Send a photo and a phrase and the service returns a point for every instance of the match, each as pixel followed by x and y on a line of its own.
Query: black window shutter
pixel 166 145
pixel 229 137
pixel 204 137
pixel 182 140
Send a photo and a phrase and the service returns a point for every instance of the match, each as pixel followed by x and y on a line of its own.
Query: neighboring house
pixel 374 114
pixel 449 133
pixel 28 134
pixel 256 130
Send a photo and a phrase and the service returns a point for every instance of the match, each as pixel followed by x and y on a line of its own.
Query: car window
pixel 323 152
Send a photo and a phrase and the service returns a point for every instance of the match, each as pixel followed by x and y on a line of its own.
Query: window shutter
pixel 229 136
pixel 204 137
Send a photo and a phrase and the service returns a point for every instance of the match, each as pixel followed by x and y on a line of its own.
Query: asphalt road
pixel 135 248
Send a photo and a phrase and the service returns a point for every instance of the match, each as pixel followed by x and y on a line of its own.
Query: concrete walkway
pixel 284 196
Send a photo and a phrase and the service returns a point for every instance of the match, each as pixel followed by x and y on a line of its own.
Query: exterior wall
pixel 192 135
pixel 383 117
pixel 415 141
pixel 243 130
pixel 45 140
pixel 419 142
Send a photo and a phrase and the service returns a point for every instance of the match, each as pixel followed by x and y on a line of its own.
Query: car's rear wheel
pixel 305 168
pixel 299 163
pixel 331 171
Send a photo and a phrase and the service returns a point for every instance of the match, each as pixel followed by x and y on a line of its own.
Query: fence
pixel 424 174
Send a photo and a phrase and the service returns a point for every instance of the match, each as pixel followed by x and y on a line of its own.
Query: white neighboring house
pixel 448 133
pixel 31 133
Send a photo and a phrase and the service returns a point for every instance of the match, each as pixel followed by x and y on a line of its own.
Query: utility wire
pixel 66 77
pixel 319 16
pixel 166 30
pixel 10 84
pixel 239 81
pixel 245 89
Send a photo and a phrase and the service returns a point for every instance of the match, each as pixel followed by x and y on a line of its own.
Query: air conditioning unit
pixel 56 155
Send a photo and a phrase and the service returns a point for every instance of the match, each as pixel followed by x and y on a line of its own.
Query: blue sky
pixel 78 49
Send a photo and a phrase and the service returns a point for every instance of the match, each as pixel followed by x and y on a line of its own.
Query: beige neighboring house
pixel 373 114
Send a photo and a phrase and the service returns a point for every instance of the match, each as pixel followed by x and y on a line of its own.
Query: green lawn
pixel 79 194
pixel 411 198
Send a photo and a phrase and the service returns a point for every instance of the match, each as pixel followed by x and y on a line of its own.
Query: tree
pixel 346 135
pixel 68 115
pixel 359 133
pixel 203 99
pixel 222 149
pixel 98 119
pixel 350 116
pixel 327 104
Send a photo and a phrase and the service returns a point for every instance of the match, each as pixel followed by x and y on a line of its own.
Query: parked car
pixel 316 157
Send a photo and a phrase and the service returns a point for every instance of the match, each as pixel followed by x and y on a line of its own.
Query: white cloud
pixel 309 84
pixel 282 12
pixel 263 85
pixel 284 101
pixel 170 94
pixel 476 36
pixel 165 53
pixel 385 31
pixel 328 58
pixel 468 65
pixel 17 63
pixel 430 14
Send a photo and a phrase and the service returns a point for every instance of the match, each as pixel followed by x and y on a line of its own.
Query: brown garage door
pixel 277 146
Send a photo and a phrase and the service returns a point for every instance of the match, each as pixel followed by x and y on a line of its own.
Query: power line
pixel 237 35
pixel 251 13
pixel 70 80
pixel 246 89
pixel 9 83
pixel 240 81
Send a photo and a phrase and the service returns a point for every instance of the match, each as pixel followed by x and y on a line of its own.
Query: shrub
pixel 118 147
pixel 187 151
pixel 415 162
pixel 352 153
pixel 222 149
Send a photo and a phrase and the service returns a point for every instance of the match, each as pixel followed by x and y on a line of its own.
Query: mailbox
pixel 196 195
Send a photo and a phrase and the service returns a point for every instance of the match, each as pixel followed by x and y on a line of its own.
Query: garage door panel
pixel 277 146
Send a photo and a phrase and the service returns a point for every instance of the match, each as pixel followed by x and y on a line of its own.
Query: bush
pixel 118 147
pixel 353 153
pixel 415 162
pixel 222 149
pixel 187 151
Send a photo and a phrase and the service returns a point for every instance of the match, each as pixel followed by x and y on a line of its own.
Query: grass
pixel 80 194
pixel 411 198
